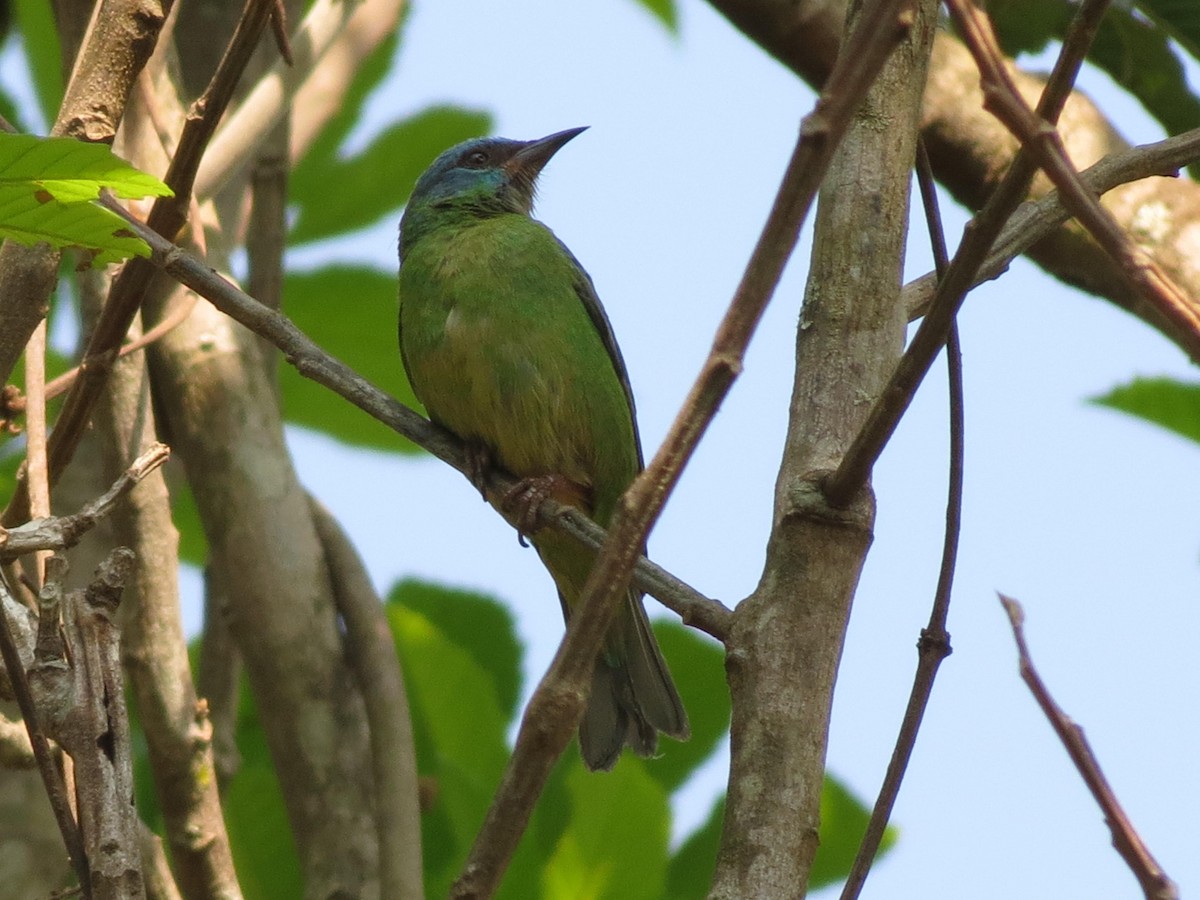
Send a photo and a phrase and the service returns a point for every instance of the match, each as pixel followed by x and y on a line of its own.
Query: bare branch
pixel 1045 145
pixel 310 361
pixel 372 652
pixel 558 701
pixel 855 468
pixel 1034 220
pixel 61 532
pixel 1154 881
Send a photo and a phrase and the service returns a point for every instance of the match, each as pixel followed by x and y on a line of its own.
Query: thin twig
pixel 63 532
pixel 167 216
pixel 52 779
pixel 1043 142
pixel 179 313
pixel 1036 219
pixel 977 240
pixel 934 644
pixel 312 362
pixel 36 470
pixel 558 701
pixel 1154 881
pixel 372 654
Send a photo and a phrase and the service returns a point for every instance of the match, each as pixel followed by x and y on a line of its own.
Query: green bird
pixel 508 347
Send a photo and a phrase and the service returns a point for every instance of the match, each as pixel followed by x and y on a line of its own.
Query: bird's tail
pixel 633 697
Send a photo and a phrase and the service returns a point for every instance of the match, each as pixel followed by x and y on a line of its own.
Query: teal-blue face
pixel 480 178
pixel 473 170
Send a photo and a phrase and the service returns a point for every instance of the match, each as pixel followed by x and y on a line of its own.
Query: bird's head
pixel 484 177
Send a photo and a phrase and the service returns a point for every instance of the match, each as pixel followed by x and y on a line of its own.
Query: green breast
pixel 500 349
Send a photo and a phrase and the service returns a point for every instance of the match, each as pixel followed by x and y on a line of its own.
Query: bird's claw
pixel 525 498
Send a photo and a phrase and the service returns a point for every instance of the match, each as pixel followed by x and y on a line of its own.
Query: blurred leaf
pixel 337 196
pixel 369 75
pixel 482 626
pixel 1028 26
pixel 1135 51
pixel 843 823
pixel 35 19
pixel 1180 17
pixel 616 844
pixel 351 313
pixel 665 12
pixel 698 667
pixel 193 544
pixel 267 865
pixel 459 729
pixel 692 867
pixel 1170 404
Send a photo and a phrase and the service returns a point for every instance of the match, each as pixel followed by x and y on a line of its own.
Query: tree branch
pixel 312 362
pixel 1154 881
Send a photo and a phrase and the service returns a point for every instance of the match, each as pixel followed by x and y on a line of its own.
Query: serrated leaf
pixel 336 196
pixel 70 171
pixel 698 666
pixel 27 220
pixel 1170 404
pixel 351 312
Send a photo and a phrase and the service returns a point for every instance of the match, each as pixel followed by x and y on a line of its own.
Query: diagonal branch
pixel 978 238
pixel 558 701
pixel 312 362
pixel 1150 875
pixel 167 216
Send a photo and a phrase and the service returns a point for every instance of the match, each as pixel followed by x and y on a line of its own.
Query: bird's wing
pixel 595 310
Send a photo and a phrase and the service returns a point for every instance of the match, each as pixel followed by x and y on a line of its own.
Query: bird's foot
pixel 479 466
pixel 525 498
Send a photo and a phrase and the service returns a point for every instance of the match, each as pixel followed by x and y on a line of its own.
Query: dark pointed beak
pixel 529 161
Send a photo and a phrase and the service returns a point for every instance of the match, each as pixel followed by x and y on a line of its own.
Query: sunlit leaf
pixel 1170 404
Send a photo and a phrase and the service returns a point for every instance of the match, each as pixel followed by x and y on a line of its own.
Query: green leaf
pixel 1170 404
pixel 45 186
pixel 459 730
pixel 336 196
pixel 698 667
pixel 843 822
pixel 193 543
pixel 480 625
pixel 27 220
pixel 1135 50
pixel 266 860
pixel 35 19
pixel 351 313
pixel 1180 17
pixel 69 170
pixel 691 870
pixel 616 845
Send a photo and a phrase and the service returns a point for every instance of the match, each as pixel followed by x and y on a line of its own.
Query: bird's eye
pixel 477 159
